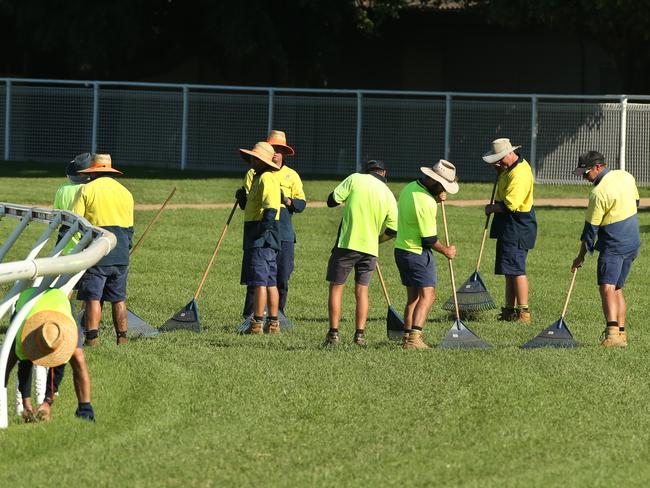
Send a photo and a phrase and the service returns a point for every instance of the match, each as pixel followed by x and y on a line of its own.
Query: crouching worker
pixel 417 236
pixel 612 219
pixel 262 238
pixel 49 337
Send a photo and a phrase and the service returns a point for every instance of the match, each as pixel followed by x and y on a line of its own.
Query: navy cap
pixel 374 164
pixel 587 161
pixel 81 161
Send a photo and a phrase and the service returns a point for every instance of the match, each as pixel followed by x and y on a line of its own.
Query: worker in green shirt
pixel 369 207
pixel 417 237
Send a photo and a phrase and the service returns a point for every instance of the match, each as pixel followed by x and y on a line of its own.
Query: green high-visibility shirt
pixel 417 211
pixel 63 200
pixel 369 206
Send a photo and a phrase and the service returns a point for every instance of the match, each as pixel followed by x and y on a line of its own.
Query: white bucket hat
pixel 444 173
pixel 500 148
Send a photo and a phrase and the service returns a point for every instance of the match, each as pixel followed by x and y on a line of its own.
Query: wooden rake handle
pixel 383 284
pixel 568 295
pixel 214 254
pixel 451 266
pixel 485 229
pixel 153 221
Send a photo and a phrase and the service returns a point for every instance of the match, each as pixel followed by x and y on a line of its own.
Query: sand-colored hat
pixel 444 173
pixel 262 151
pixel 500 148
pixel 49 338
pixel 278 140
pixel 101 163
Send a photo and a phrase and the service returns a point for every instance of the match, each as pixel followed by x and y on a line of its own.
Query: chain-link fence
pixel 201 127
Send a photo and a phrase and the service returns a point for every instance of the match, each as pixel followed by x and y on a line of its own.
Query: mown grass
pixel 217 409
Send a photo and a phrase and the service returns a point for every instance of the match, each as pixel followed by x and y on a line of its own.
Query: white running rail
pixel 52 271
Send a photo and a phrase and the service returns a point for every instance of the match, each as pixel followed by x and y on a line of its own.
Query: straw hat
pixel 444 173
pixel 100 163
pixel 262 151
pixel 278 140
pixel 49 338
pixel 500 148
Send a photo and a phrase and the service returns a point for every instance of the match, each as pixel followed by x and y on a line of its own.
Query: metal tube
pixel 447 126
pixel 623 131
pixel 93 142
pixel 7 119
pixel 359 131
pixel 184 127
pixel 269 124
pixel 13 237
pixel 533 134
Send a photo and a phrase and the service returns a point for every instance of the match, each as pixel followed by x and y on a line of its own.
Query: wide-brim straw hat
pixel 500 148
pixel 444 173
pixel 101 163
pixel 49 338
pixel 262 151
pixel 278 140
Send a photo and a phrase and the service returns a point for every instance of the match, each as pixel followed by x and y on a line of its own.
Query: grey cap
pixel 80 161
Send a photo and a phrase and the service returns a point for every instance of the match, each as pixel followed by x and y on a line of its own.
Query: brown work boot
pixel 614 338
pixel 414 341
pixel 508 314
pixel 523 316
pixel 91 342
pixel 272 327
pixel 331 339
pixel 122 340
pixel 44 412
pixel 360 340
pixel 254 327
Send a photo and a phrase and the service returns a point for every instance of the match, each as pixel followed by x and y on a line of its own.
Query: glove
pixel 85 412
pixel 241 197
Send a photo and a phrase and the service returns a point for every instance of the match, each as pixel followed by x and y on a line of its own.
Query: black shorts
pixel 105 283
pixel 416 270
pixel 510 259
pixel 343 260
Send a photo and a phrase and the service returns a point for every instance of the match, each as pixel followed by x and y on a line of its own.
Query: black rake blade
pixel 472 296
pixel 460 337
pixel 557 335
pixel 185 319
pixel 394 325
pixel 138 327
pixel 285 323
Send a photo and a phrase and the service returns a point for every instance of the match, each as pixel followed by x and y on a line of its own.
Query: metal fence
pixel 201 127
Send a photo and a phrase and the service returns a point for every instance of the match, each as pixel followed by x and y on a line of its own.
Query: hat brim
pixel 246 156
pixel 103 169
pixel 61 354
pixel 493 158
pixel 282 148
pixel 580 171
pixel 450 187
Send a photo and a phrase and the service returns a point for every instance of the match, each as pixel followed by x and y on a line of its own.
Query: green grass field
pixel 217 409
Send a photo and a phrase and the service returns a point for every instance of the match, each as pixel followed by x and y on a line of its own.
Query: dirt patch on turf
pixel 541 202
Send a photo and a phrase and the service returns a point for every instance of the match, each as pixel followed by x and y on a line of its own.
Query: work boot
pixel 332 339
pixel 122 340
pixel 414 341
pixel 614 338
pixel 254 327
pixel 523 316
pixel 271 326
pixel 508 314
pixel 360 340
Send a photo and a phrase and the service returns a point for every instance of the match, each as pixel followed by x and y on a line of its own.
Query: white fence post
pixel 7 119
pixel 623 131
pixel 359 130
pixel 184 127
pixel 93 141
pixel 447 126
pixel 269 125
pixel 533 134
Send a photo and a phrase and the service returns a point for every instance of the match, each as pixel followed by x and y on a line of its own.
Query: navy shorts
pixel 614 268
pixel 259 267
pixel 510 259
pixel 105 283
pixel 416 270
pixel 343 260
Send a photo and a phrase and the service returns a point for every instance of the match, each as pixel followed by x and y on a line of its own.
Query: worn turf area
pixel 217 409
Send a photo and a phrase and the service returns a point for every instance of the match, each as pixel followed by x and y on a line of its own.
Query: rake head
pixel 557 335
pixel 394 325
pixel 138 327
pixel 472 296
pixel 185 319
pixel 460 337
